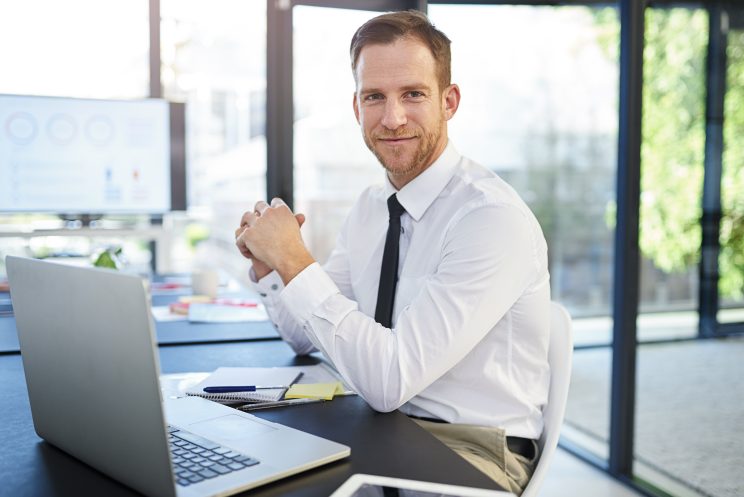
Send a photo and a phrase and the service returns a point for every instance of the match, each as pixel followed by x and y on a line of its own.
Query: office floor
pixel 689 415
pixel 571 476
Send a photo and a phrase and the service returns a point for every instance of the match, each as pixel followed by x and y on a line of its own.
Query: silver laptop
pixel 91 367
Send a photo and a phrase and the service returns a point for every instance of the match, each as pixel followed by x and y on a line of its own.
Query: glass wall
pixel 672 166
pixel 214 60
pixel 731 260
pixel 332 165
pixel 687 406
pixel 542 113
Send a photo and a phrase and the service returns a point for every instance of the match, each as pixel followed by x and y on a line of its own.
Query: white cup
pixel 205 282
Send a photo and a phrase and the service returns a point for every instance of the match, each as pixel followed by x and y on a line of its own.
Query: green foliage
pixel 608 31
pixel 672 150
pixel 673 134
pixel 732 188
pixel 109 258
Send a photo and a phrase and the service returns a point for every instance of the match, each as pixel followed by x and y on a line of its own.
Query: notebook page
pixel 231 376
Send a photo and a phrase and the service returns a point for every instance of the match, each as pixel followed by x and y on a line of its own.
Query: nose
pixel 395 115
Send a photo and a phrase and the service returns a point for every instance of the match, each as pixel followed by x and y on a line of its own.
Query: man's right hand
pixel 259 267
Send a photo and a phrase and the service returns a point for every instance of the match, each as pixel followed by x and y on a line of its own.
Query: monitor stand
pixel 155 220
pixel 77 221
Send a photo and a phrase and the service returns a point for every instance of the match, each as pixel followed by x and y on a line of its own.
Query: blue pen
pixel 243 388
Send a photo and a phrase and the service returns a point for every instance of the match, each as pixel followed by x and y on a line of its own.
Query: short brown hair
pixel 390 27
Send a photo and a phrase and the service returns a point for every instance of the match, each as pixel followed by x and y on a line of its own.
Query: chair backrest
pixel 560 353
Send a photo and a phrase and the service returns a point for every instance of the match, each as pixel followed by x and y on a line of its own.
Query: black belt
pixel 523 446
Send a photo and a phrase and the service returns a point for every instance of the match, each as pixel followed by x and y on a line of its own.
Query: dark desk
pixel 386 444
pixel 170 333
pixel 167 332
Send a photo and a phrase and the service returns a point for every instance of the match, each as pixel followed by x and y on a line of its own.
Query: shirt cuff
pixel 268 286
pixel 307 291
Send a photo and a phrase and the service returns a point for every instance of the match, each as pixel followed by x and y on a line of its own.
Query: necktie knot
pixel 394 208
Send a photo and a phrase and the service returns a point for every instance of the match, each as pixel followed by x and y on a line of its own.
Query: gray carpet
pixel 690 410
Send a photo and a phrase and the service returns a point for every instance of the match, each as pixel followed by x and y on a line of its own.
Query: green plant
pixel 196 233
pixel 109 258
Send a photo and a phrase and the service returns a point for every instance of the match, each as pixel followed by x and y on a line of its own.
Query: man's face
pixel 400 107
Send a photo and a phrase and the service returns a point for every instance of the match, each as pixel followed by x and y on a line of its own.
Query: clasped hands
pixel 270 237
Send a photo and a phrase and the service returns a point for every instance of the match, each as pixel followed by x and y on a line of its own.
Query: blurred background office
pixel 267 87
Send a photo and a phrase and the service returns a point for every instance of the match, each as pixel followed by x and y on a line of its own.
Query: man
pixel 435 300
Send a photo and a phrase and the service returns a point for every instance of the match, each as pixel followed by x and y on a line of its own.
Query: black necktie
pixel 389 270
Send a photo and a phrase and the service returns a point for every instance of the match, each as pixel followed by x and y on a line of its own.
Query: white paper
pixel 215 313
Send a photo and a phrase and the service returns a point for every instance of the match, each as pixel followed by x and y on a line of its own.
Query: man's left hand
pixel 273 236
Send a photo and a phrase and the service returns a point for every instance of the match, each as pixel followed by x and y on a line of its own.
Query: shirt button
pixel 262 294
pixel 274 286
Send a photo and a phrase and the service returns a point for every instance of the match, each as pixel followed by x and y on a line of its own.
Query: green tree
pixel 673 139
pixel 732 190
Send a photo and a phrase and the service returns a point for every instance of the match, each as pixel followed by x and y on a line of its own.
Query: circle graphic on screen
pixel 61 129
pixel 21 128
pixel 99 130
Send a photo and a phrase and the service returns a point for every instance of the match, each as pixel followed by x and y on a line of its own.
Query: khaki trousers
pixel 485 448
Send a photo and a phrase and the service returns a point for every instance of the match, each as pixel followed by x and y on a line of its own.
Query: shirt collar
pixel 420 193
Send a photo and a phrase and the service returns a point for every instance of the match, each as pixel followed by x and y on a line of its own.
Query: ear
pixel 356 108
pixel 451 101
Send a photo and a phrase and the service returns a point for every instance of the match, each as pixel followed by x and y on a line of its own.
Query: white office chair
pixel 560 352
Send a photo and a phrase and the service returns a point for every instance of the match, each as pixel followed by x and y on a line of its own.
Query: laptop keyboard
pixel 197 459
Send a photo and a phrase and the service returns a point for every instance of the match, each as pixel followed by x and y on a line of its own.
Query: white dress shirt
pixel 471 317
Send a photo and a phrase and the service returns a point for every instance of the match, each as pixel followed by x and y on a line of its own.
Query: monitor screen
pixel 81 156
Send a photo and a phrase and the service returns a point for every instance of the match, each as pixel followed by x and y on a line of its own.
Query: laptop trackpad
pixel 230 428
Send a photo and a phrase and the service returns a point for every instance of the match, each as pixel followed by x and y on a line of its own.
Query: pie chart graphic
pixel 99 130
pixel 61 129
pixel 21 128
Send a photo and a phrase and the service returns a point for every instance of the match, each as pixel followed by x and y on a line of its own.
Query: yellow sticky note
pixel 324 391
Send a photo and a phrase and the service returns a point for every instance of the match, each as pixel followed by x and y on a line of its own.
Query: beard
pixel 393 160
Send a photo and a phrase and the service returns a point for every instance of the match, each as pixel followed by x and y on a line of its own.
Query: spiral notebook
pixel 282 378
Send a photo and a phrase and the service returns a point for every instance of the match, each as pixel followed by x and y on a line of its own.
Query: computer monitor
pixel 74 156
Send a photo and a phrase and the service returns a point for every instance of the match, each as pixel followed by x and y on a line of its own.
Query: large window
pixel 332 165
pixel 731 260
pixel 80 48
pixel 214 59
pixel 672 166
pixel 678 382
pixel 539 107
